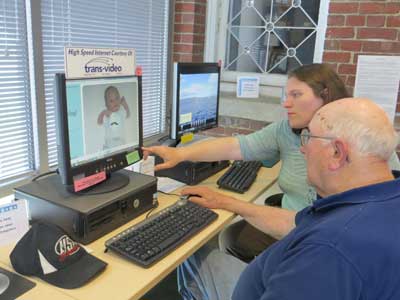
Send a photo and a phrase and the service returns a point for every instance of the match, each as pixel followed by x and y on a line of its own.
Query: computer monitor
pixel 195 98
pixel 99 129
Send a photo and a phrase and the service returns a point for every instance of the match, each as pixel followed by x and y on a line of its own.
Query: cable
pixel 44 174
pixel 150 211
pixel 158 191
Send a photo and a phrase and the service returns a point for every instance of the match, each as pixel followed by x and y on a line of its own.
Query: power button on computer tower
pixel 136 203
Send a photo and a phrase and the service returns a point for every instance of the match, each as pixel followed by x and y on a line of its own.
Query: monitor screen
pixel 102 117
pixel 196 97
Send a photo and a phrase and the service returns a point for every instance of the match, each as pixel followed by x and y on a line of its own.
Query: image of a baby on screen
pixel 113 117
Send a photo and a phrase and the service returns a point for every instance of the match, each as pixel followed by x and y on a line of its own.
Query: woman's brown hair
pixel 325 82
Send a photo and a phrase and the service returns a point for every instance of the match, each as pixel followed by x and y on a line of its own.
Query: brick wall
pixel 354 27
pixel 361 27
pixel 189 30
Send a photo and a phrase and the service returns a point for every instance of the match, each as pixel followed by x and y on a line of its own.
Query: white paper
pixel 98 62
pixel 248 87
pixel 167 185
pixel 13 222
pixel 147 166
pixel 378 78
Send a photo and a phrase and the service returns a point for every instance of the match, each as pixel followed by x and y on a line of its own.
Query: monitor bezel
pixel 65 169
pixel 191 68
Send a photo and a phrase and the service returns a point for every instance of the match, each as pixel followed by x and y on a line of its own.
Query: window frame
pixel 37 91
pixel 215 42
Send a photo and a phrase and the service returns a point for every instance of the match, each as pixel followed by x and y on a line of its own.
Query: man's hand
pixel 171 156
pixel 206 197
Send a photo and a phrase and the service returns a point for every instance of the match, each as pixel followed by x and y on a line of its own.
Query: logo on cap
pixel 65 247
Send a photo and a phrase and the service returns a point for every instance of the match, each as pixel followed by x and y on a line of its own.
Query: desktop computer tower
pixel 190 172
pixel 86 218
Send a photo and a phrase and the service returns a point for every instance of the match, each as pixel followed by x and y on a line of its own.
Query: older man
pixel 345 246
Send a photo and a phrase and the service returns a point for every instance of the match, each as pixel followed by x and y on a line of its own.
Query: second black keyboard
pixel 150 240
pixel 240 176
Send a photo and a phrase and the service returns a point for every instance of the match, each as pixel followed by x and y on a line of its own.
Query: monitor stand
pixel 114 182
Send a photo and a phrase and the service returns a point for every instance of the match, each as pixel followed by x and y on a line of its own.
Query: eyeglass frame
pixel 305 137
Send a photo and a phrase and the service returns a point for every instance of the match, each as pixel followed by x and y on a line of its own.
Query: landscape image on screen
pixel 198 99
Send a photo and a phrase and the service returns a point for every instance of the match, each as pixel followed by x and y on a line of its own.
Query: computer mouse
pixel 4 283
pixel 184 198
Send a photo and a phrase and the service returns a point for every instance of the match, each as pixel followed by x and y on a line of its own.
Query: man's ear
pixel 340 155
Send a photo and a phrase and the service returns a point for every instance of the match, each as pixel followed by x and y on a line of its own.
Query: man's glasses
pixel 305 136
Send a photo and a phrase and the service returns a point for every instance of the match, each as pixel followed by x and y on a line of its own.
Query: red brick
pixel 392 21
pixel 343 8
pixel 198 48
pixel 185 57
pixel 340 32
pixel 185 7
pixel 377 33
pixel 177 37
pixel 355 20
pixel 392 8
pixel 178 18
pixel 199 28
pixel 335 20
pixel 332 45
pixel 187 38
pixel 381 47
pixel 183 48
pixel 198 38
pixel 184 28
pixel 216 130
pixel 355 57
pixel 201 10
pixel 347 69
pixel 337 57
pixel 376 21
pixel 198 57
pixel 188 18
pixel 372 8
pixel 350 45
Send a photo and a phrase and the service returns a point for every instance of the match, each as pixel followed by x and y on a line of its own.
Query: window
pixel 32 51
pixel 16 147
pixel 268 36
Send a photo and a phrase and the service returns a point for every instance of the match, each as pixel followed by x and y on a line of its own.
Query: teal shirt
pixel 278 142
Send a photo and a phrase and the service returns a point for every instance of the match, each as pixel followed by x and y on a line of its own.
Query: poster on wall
pixel 248 87
pixel 98 62
pixel 377 78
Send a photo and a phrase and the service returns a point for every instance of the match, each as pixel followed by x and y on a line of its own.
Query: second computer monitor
pixel 196 98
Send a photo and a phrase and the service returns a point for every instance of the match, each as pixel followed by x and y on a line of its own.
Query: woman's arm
pixel 209 150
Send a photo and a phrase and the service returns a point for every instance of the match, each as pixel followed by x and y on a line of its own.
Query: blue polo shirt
pixel 346 246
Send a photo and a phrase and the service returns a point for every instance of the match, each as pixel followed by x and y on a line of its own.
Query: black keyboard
pixel 240 176
pixel 150 240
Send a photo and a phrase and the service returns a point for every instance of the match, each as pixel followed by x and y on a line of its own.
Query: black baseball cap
pixel 47 252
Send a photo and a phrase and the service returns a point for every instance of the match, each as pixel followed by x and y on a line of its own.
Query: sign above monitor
pixel 98 62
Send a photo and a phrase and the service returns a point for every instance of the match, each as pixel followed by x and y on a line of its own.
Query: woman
pixel 308 88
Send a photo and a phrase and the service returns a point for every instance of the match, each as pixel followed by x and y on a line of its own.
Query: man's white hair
pixel 368 133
